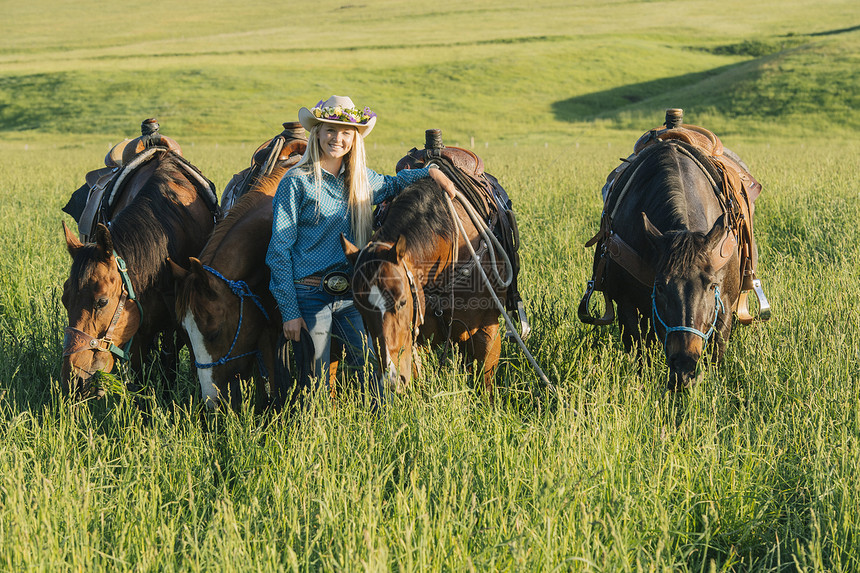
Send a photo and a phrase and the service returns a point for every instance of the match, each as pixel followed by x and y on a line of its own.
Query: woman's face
pixel 336 140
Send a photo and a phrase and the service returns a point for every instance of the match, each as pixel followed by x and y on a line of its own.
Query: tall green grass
pixel 756 468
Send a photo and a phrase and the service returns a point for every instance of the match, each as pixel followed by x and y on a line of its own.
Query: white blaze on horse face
pixel 389 374
pixel 377 299
pixel 204 375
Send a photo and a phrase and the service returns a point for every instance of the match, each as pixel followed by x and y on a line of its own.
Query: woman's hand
pixel 442 180
pixel 293 328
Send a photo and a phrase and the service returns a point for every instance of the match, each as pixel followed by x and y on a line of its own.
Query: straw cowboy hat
pixel 341 111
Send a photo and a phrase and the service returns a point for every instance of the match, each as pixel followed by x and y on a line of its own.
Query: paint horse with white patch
pixel 223 299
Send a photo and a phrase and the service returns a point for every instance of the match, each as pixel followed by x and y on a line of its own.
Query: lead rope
pixel 491 240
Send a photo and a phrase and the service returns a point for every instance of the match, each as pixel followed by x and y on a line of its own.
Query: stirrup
pixel 525 328
pixel 586 316
pixel 744 315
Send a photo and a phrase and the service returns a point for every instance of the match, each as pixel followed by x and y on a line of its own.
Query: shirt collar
pixel 339 173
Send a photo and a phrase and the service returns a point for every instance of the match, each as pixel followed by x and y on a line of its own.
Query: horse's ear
pixel 350 250
pixel 202 284
pixel 73 244
pixel 196 266
pixel 650 228
pixel 400 247
pixel 721 244
pixel 715 235
pixel 103 239
pixel 179 272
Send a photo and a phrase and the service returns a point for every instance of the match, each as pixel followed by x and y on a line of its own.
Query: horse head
pixel 389 297
pixel 691 294
pixel 101 318
pixel 223 331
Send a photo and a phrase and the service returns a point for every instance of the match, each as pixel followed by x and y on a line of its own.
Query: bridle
pixel 77 340
pixel 417 300
pixel 718 307
pixel 243 291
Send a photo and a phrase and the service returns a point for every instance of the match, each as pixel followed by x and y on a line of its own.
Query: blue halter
pixel 240 289
pixel 718 307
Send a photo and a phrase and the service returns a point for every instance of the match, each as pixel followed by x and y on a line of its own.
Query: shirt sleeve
pixel 387 186
pixel 285 213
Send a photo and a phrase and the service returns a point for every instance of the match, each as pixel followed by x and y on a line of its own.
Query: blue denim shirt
pixel 306 233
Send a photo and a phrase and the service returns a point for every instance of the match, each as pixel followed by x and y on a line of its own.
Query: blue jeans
pixel 328 315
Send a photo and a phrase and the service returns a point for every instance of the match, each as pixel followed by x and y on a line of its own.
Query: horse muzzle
pixel 78 382
pixel 77 373
pixel 682 371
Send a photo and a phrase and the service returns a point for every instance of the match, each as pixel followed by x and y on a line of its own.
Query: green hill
pixel 489 70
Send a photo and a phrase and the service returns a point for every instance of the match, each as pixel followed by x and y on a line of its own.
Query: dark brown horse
pixel 119 294
pixel 670 254
pixel 223 299
pixel 415 282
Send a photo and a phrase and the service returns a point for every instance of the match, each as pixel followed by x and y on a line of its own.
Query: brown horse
pixel 170 216
pixel 223 299
pixel 415 282
pixel 682 281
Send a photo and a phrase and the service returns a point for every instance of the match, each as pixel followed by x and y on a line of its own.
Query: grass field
pixel 755 469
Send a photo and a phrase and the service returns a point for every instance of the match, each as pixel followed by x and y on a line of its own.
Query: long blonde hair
pixel 359 195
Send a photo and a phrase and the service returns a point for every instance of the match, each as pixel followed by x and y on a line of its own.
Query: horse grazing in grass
pixel 415 282
pixel 223 298
pixel 119 294
pixel 693 254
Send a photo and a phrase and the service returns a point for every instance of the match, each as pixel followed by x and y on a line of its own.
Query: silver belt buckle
pixel 336 283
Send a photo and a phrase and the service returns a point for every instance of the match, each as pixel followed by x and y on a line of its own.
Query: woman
pixel 329 192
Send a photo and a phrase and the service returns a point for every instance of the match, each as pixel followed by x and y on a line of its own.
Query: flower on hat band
pixel 338 113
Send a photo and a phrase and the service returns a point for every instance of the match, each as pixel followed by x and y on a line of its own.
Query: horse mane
pixel 660 186
pixel 246 203
pixel 144 233
pixel 421 214
pixel 268 184
pixel 684 250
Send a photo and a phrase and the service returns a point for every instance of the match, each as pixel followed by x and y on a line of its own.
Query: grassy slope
pixel 756 468
pixel 495 72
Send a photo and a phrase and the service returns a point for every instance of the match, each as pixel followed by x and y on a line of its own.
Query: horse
pixel 125 261
pixel 411 287
pixel 223 299
pixel 693 255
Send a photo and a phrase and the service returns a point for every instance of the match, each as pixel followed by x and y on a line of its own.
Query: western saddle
pixel 94 201
pixel 486 195
pixel 275 152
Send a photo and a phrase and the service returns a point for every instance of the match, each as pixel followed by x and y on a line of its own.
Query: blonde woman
pixel 329 192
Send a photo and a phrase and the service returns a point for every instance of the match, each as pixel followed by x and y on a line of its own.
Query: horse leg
pixel 631 327
pixel 168 360
pixel 235 389
pixel 334 361
pixel 266 394
pixel 484 346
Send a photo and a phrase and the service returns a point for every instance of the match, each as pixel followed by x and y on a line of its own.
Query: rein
pixel 243 291
pixel 490 239
pixel 417 307
pixel 718 306
pixel 77 340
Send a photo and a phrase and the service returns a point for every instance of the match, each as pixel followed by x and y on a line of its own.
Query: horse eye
pixel 102 302
pixel 401 304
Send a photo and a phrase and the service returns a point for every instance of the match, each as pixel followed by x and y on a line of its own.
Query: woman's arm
pixel 387 186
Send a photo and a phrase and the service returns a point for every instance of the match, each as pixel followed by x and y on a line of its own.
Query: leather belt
pixel 335 283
